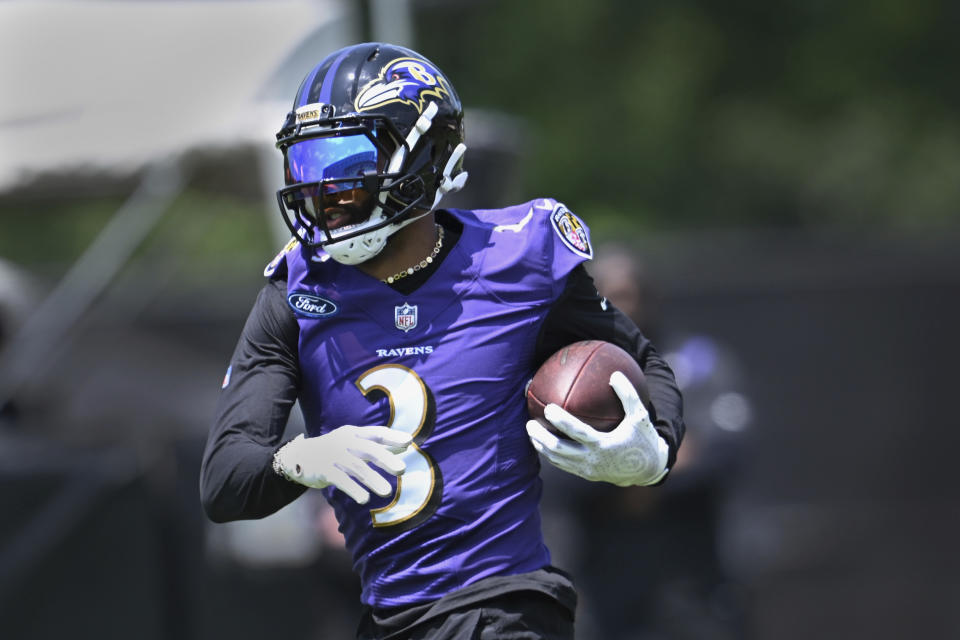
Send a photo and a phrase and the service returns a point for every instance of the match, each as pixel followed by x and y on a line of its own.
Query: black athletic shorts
pixel 531 606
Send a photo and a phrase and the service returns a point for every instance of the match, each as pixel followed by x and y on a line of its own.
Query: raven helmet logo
pixel 407 81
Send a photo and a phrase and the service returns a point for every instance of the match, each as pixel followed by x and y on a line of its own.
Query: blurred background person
pixel 652 563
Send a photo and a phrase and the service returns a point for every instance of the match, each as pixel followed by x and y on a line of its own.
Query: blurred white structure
pixel 113 85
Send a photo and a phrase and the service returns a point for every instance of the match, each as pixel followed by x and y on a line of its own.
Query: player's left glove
pixel 631 454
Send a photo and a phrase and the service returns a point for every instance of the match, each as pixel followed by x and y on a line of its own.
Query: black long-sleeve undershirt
pixel 237 480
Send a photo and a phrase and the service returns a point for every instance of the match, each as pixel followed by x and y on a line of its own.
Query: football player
pixel 407 332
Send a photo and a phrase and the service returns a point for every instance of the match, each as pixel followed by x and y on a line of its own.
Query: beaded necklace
pixel 409 271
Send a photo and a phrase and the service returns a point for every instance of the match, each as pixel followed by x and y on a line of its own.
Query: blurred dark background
pixel 779 182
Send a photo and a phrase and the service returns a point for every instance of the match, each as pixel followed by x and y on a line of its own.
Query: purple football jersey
pixel 447 363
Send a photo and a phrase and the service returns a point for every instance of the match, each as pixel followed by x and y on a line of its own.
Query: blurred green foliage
pixel 205 237
pixel 216 235
pixel 703 114
pixel 39 231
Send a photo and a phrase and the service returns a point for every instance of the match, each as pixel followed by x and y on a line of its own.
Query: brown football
pixel 577 378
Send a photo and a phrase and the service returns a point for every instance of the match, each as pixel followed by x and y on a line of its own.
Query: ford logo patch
pixel 311 306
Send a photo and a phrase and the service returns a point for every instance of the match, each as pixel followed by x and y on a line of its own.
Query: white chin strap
pixel 448 183
pixel 367 245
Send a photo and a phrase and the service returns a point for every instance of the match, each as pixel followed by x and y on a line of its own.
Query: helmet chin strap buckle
pixel 450 183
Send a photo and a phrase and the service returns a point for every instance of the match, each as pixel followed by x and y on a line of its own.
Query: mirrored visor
pixel 333 158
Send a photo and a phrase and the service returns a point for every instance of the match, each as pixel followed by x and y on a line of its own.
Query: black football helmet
pixel 374 141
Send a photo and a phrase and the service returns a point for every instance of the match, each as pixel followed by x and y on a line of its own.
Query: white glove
pixel 631 454
pixel 340 458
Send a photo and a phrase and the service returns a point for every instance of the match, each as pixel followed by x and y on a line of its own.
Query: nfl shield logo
pixel 405 316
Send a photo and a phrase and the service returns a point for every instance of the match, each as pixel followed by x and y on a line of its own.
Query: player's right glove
pixel 340 458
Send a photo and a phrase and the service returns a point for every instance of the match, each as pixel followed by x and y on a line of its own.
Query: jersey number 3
pixel 412 411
